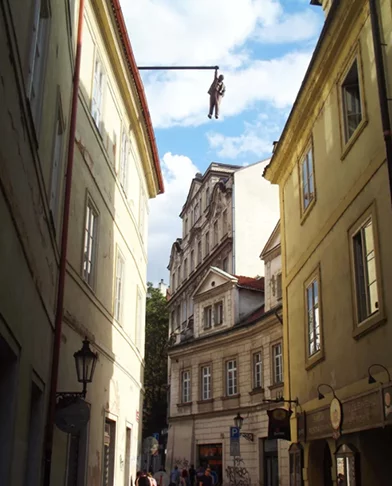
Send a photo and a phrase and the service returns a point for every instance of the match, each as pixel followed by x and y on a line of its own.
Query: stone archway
pixel 320 464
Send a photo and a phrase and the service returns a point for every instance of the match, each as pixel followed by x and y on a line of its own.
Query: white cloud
pixel 164 222
pixel 205 32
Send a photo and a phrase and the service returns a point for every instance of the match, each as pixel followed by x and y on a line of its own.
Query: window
pixel 173 321
pixel 57 167
pixel 174 281
pixel 199 253
pixel 296 464
pixel 184 314
pixel 224 222
pixel 231 377
pixel 257 370
pixel 123 170
pixel 207 243
pixel 109 453
pixel 207 317
pixel 139 331
pixel 120 266
pixel 185 227
pixel 366 289
pixel 313 318
pixel 307 172
pixel 218 313
pixel 179 273
pixel 207 197
pixel 225 264
pixel 277 363
pixel 192 260
pixel 77 457
pixel 279 286
pixel 90 244
pixel 196 212
pixel 216 240
pixel 97 98
pixel 186 386
pixel 352 104
pixel 178 317
pixel 185 268
pixel 39 45
pixel 206 382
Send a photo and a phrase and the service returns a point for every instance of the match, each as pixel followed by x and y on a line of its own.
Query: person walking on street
pixel 206 480
pixel 192 475
pixel 175 477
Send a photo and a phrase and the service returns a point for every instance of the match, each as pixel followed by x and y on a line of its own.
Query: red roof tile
pixel 250 283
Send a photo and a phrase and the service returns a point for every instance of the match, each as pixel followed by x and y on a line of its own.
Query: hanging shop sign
pixel 335 413
pixel 279 424
pixel 387 403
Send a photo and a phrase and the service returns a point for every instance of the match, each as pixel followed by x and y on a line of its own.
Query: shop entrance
pixel 320 464
pixel 211 455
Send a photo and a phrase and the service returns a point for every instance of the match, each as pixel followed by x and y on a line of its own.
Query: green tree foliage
pixel 155 374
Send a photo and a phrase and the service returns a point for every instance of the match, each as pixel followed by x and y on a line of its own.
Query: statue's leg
pixel 218 98
pixel 211 106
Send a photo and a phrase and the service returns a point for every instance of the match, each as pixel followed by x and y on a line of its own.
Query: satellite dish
pixel 72 414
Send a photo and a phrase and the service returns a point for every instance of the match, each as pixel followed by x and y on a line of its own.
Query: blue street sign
pixel 234 433
pixel 156 436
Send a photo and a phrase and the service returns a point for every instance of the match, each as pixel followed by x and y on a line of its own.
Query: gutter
pixel 140 89
pixel 382 87
pixel 63 257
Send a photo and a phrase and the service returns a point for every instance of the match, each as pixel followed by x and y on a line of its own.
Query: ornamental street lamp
pixel 371 378
pixel 85 363
pixel 320 395
pixel 238 421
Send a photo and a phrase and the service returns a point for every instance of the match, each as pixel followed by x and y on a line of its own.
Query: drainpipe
pixel 382 87
pixel 63 257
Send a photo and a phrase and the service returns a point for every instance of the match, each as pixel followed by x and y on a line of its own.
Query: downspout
pixel 382 87
pixel 63 257
pixel 233 266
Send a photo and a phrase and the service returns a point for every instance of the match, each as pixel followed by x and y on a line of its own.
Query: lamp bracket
pixel 247 435
pixel 281 400
pixel 81 394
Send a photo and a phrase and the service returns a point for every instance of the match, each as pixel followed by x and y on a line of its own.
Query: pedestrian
pixel 192 475
pixel 184 479
pixel 175 477
pixel 152 479
pixel 206 479
pixel 217 92
pixel 143 479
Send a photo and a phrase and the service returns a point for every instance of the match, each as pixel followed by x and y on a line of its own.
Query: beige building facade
pixel 331 166
pixel 116 170
pixel 233 361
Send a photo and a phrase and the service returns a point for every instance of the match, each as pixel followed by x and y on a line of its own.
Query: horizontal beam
pixel 175 68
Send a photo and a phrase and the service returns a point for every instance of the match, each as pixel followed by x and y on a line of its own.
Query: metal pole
pixel 176 68
pixel 234 475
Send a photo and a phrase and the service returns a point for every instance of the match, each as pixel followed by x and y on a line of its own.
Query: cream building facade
pixel 116 170
pixel 331 165
pixel 231 364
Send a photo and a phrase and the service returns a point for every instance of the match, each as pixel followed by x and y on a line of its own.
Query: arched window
pixel 296 464
pixel 347 464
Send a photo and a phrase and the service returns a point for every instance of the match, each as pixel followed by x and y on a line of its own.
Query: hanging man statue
pixel 216 92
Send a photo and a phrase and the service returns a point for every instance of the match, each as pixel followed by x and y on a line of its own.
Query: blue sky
pixel 263 48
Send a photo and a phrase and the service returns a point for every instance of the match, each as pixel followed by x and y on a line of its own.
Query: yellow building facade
pixel 115 172
pixel 332 170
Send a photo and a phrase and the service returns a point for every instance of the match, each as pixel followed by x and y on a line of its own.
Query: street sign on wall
pixel 234 441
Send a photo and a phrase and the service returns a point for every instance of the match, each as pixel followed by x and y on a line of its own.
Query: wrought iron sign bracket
pixel 81 394
pixel 247 435
pixel 281 400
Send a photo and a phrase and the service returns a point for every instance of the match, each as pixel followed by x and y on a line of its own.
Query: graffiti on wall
pixel 182 463
pixel 237 474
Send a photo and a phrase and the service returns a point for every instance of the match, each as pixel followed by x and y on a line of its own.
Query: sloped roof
pixel 254 316
pixel 250 283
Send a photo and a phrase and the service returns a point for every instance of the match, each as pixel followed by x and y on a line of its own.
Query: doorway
pixel 320 464
pixel 270 462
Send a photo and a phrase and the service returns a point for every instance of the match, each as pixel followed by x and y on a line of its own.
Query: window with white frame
pixel 277 357
pixel 224 222
pixel 119 284
pixel 257 370
pixel 216 233
pixel 124 156
pixel 208 317
pixel 307 171
pixel 352 103
pixel 97 97
pixel 231 377
pixel 186 386
pixel 39 42
pixel 206 382
pixel 313 317
pixel 57 167
pixel 90 244
pixel 218 313
pixel 365 271
pixel 207 243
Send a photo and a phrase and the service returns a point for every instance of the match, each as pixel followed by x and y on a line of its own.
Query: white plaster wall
pixel 256 212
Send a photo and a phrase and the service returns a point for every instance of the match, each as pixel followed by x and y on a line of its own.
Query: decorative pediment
pixel 213 279
pixel 176 250
pixel 194 233
pixel 218 202
pixel 273 244
pixel 193 190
